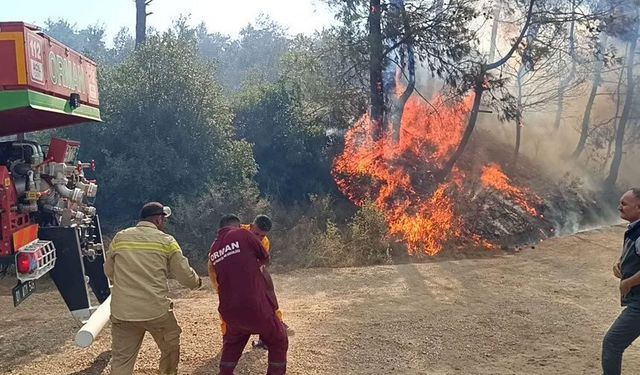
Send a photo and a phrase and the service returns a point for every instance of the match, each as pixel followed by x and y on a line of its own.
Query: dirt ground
pixel 540 311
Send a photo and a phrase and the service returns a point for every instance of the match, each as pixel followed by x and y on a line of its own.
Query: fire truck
pixel 48 224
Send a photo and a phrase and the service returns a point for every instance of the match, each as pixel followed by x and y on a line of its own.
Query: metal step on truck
pixel 48 225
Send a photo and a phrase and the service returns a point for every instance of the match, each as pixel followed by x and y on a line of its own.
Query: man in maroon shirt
pixel 245 306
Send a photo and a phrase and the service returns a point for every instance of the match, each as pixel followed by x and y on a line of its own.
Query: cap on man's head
pixel 153 209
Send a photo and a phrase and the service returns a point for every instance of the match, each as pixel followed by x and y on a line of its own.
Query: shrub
pixel 195 221
pixel 369 236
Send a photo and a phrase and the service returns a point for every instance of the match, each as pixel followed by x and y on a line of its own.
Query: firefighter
pixel 138 263
pixel 237 256
pixel 260 226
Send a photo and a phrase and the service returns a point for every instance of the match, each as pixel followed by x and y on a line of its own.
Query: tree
pixel 565 82
pixel 527 62
pixel 540 46
pixel 291 154
pixel 547 68
pixel 479 82
pixel 632 38
pixel 88 41
pixel 439 35
pixel 255 57
pixel 375 69
pixel 497 11
pixel 404 63
pixel 167 133
pixel 595 83
pixel 332 81
pixel 213 46
pixel 141 21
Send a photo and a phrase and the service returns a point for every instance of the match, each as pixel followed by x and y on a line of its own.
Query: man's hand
pixel 625 287
pixel 617 271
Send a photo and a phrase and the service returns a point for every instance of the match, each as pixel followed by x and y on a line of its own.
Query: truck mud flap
pixel 71 268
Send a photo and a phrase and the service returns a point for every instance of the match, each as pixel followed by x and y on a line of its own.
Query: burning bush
pixel 401 179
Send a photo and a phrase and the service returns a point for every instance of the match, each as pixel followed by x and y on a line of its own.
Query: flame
pixel 400 177
pixel 493 177
pixel 439 127
pixel 433 223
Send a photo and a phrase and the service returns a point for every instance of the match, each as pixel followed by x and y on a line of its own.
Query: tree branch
pixel 517 42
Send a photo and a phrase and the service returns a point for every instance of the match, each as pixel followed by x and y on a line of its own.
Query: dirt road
pixel 542 311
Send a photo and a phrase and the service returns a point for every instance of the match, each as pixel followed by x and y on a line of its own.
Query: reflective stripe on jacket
pixel 139 262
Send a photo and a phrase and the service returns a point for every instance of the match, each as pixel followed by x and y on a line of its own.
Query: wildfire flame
pixel 493 177
pixel 399 177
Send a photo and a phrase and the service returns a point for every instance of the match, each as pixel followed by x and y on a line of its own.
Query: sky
pixel 225 16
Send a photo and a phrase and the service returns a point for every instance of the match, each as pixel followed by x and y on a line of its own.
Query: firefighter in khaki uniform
pixel 139 263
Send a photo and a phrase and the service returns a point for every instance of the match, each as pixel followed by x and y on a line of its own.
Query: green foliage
pixel 369 236
pixel 167 132
pixel 123 46
pixel 253 58
pixel 291 156
pixel 200 215
pixel 90 41
pixel 307 235
pixel 331 82
pixel 170 135
pixel 328 249
pixel 314 236
pixel 443 37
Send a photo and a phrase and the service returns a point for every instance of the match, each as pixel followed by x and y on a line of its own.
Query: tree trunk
pixel 141 21
pixel 516 149
pixel 586 118
pixel 375 69
pixel 567 81
pixel 494 29
pixel 560 108
pixel 411 84
pixel 525 67
pixel 618 91
pixel 402 101
pixel 430 89
pixel 471 124
pixel 518 122
pixel 608 155
pixel 478 90
pixel 624 117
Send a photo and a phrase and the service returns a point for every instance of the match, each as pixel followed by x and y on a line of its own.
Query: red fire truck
pixel 48 223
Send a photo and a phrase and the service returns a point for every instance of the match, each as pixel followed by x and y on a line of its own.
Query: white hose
pixel 88 333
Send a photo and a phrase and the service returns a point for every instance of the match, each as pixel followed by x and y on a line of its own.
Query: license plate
pixel 22 291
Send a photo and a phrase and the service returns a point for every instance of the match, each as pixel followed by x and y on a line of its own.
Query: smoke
pixel 629 172
pixel 571 187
